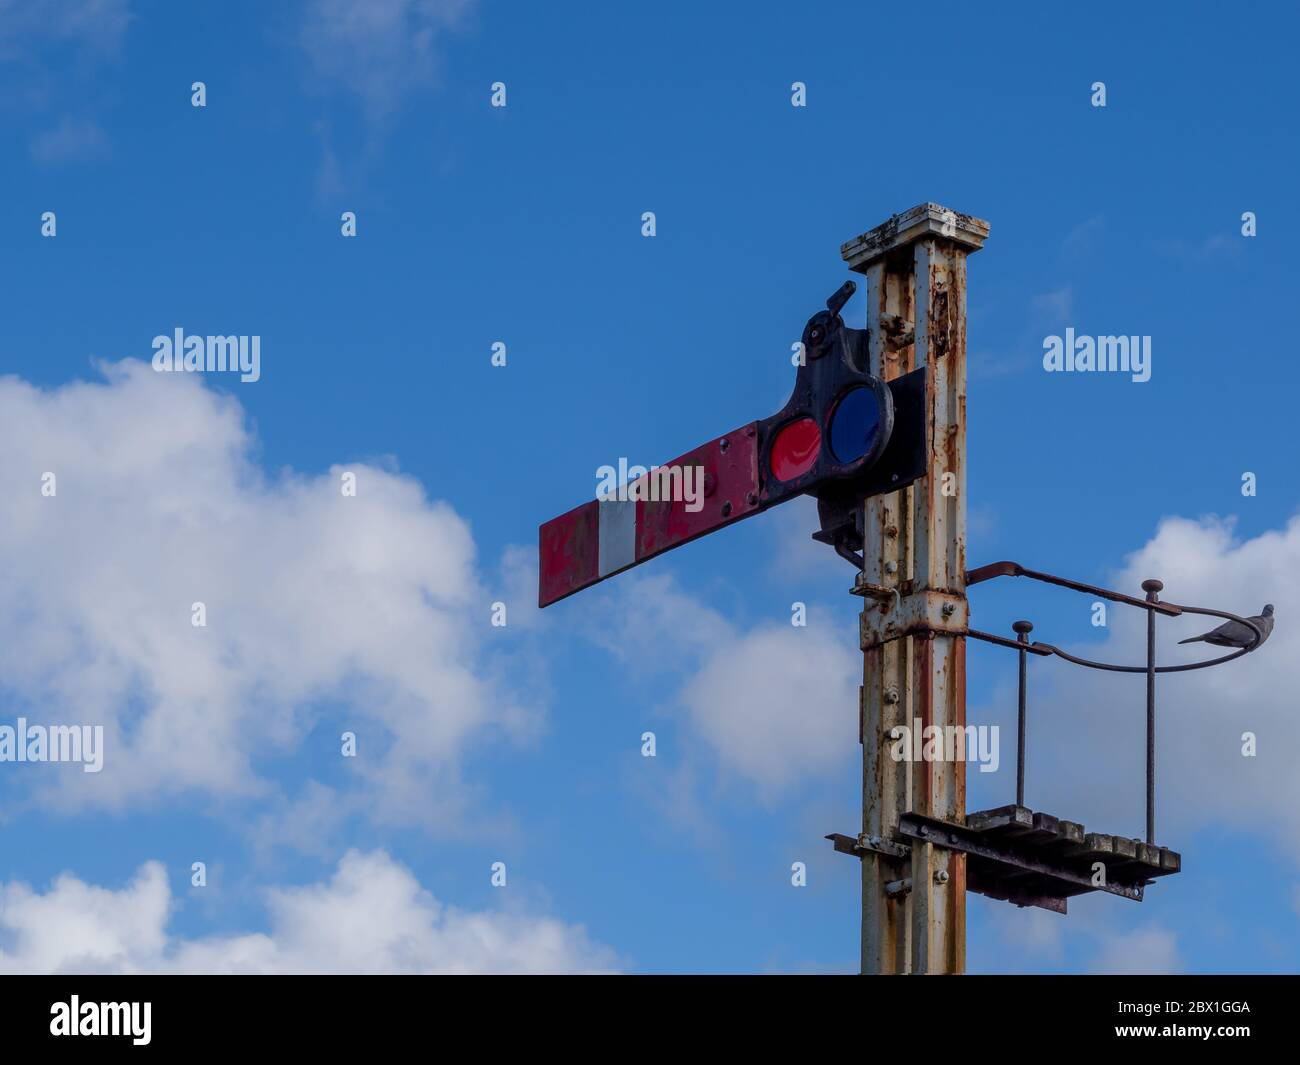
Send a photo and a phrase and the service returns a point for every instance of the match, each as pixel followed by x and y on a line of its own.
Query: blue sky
pixel 522 225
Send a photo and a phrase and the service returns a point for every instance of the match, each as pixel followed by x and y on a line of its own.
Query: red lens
pixel 795 449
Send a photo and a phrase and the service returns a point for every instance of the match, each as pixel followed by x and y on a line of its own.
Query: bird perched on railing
pixel 1235 634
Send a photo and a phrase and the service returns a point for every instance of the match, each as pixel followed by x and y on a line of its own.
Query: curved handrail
pixel 1152 605
pixel 1038 647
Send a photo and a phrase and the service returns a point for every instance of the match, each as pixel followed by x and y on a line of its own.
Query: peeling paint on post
pixel 915 543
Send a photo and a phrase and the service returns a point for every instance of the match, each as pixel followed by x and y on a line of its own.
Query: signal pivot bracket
pixel 921 613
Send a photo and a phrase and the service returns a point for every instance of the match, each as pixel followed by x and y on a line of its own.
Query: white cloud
pixel 775 703
pixel 1083 237
pixel 1216 248
pixel 371 916
pixel 94 25
pixel 1033 934
pixel 1100 934
pixel 72 140
pixel 797 554
pixel 641 613
pixel 381 50
pixel 1148 950
pixel 1094 937
pixel 367 608
pixel 778 703
pixel 1053 306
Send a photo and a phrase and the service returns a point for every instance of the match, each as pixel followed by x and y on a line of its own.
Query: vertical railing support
pixel 1152 588
pixel 1022 629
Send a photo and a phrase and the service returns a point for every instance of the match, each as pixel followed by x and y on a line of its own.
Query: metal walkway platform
pixel 1030 859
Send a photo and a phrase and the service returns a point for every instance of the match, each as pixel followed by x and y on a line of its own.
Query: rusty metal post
pixel 914 658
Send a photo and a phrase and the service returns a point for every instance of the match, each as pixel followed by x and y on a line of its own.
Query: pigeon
pixel 1235 634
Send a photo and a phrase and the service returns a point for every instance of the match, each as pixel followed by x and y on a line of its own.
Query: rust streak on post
pixel 886 671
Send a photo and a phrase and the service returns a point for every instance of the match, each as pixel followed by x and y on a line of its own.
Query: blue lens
pixel 854 425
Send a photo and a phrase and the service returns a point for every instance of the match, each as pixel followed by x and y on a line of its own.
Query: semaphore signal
pixel 875 430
